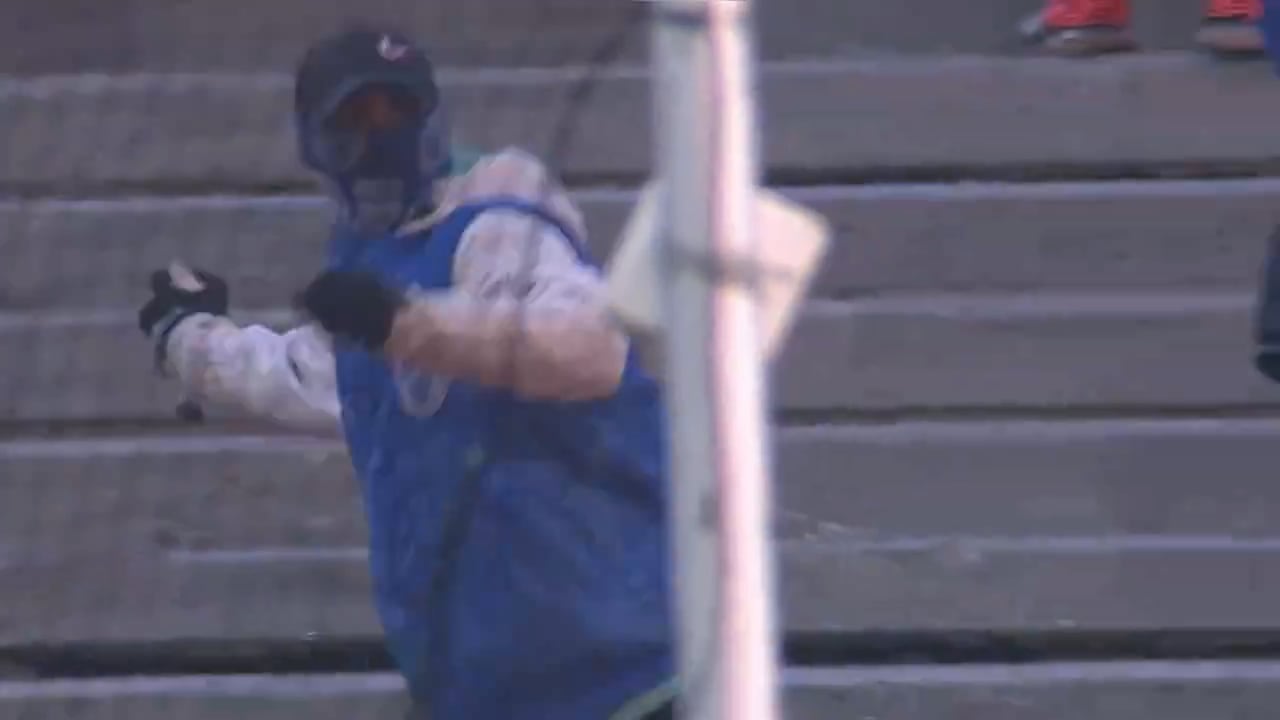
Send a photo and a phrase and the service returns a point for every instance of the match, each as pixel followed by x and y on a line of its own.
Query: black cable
pixel 459 519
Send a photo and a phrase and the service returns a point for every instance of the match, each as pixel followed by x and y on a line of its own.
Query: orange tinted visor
pixel 375 108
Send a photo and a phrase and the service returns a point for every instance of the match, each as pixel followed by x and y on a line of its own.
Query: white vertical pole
pixel 707 158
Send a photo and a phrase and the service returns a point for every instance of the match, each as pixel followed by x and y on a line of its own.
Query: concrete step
pixel 1053 691
pixel 1019 353
pixel 1081 526
pixel 72 36
pixel 975 237
pixel 825 123
pixel 1056 691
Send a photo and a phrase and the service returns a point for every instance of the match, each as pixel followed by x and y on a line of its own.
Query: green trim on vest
pixel 645 705
pixel 464 158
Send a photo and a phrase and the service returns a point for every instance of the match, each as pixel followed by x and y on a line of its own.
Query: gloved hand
pixel 353 306
pixel 170 304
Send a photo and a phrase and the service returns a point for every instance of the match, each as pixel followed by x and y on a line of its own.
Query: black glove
pixel 1267 313
pixel 169 305
pixel 353 306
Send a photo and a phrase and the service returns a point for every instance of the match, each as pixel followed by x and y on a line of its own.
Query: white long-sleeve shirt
pixel 535 320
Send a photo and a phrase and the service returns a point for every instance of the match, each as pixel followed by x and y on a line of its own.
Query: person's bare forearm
pixel 525 313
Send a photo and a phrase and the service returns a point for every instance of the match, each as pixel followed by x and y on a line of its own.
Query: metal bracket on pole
pixel 790 239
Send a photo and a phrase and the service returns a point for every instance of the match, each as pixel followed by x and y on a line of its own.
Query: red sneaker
pixel 1230 27
pixel 1081 27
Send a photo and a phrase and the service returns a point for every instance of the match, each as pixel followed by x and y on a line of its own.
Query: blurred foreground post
pixel 707 161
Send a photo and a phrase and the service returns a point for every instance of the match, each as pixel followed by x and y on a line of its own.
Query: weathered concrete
pixel 954 583
pixel 823 120
pixel 975 299
pixel 1027 352
pixel 297 697
pixel 1005 479
pixel 1108 236
pixel 125 595
pixel 1113 691
pixel 931 526
pixel 1022 479
pixel 70 36
pixel 1060 691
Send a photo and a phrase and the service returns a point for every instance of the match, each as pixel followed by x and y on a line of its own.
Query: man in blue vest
pixel 1269 22
pixel 509 447
pixel 1266 356
pixel 1267 311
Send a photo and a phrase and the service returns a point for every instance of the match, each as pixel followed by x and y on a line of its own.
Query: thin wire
pixel 458 521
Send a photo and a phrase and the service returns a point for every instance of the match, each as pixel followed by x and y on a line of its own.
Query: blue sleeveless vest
pixel 1270 25
pixel 518 549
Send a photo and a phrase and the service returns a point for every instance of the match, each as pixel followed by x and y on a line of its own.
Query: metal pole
pixel 707 159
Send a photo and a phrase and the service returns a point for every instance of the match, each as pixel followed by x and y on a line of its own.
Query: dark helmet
pixel 369 119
